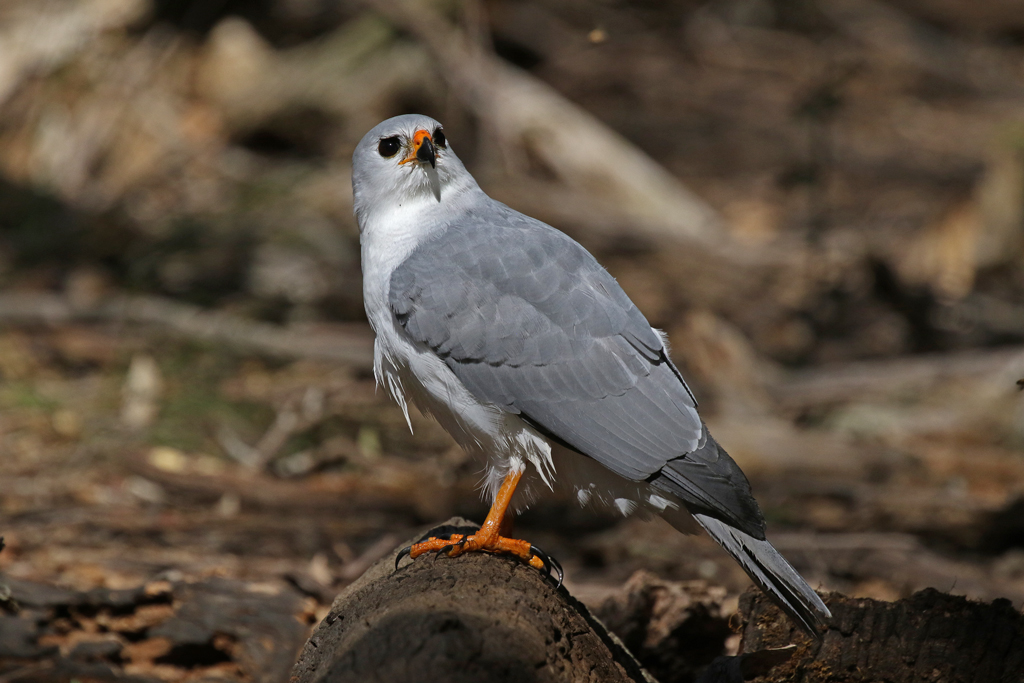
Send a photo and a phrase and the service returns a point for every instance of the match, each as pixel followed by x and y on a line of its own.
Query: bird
pixel 529 353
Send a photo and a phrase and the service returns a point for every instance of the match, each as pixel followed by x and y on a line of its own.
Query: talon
pixel 561 574
pixel 549 564
pixel 445 549
pixel 404 552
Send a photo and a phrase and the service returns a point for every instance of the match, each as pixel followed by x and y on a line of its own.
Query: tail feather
pixel 772 573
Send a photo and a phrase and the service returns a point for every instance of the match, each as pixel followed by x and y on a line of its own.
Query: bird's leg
pixel 489 535
pixel 488 538
pixel 507 523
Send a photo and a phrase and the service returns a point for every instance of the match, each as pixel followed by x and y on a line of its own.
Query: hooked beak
pixel 425 152
pixel 423 149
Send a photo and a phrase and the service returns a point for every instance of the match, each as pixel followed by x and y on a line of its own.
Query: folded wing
pixel 528 320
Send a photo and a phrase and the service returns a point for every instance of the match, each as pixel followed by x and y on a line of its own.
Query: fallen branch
pixel 299 412
pixel 890 377
pixel 346 343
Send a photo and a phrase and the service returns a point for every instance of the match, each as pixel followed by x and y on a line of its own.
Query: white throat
pixel 390 230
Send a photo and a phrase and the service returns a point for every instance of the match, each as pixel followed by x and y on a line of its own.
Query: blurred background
pixel 821 202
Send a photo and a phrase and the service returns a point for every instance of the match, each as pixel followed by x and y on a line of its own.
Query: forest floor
pixel 186 392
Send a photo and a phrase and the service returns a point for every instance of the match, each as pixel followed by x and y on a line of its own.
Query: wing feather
pixel 529 321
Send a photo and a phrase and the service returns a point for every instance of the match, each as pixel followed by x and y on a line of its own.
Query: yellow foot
pixel 457 544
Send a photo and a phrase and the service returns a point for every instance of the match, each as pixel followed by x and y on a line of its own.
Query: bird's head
pixel 404 159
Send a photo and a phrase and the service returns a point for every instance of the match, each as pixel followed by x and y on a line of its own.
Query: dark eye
pixel 389 147
pixel 439 139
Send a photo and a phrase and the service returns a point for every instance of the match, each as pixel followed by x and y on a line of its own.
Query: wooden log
pixel 930 636
pixel 474 618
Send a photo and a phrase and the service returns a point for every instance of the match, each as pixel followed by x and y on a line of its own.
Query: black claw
pixel 550 564
pixel 404 552
pixel 558 569
pixel 438 552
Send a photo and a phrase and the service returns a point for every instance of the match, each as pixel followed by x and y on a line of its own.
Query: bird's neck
pixel 390 232
pixel 399 224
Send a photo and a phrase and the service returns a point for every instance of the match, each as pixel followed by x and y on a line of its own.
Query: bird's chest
pixel 394 353
pixel 407 369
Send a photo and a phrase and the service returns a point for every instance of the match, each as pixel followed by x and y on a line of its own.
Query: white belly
pixel 500 438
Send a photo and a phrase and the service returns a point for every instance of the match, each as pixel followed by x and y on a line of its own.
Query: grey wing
pixel 528 320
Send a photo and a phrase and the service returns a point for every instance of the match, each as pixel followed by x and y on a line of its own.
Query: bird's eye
pixel 389 147
pixel 439 138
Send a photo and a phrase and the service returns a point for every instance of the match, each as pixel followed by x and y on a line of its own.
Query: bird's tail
pixel 772 573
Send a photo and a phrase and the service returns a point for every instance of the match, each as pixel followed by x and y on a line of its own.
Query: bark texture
pixel 476 618
pixel 930 636
pixel 218 629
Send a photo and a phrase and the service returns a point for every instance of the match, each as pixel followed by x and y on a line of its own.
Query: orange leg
pixel 489 538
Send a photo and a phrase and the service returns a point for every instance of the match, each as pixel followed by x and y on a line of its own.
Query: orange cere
pixel 417 141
